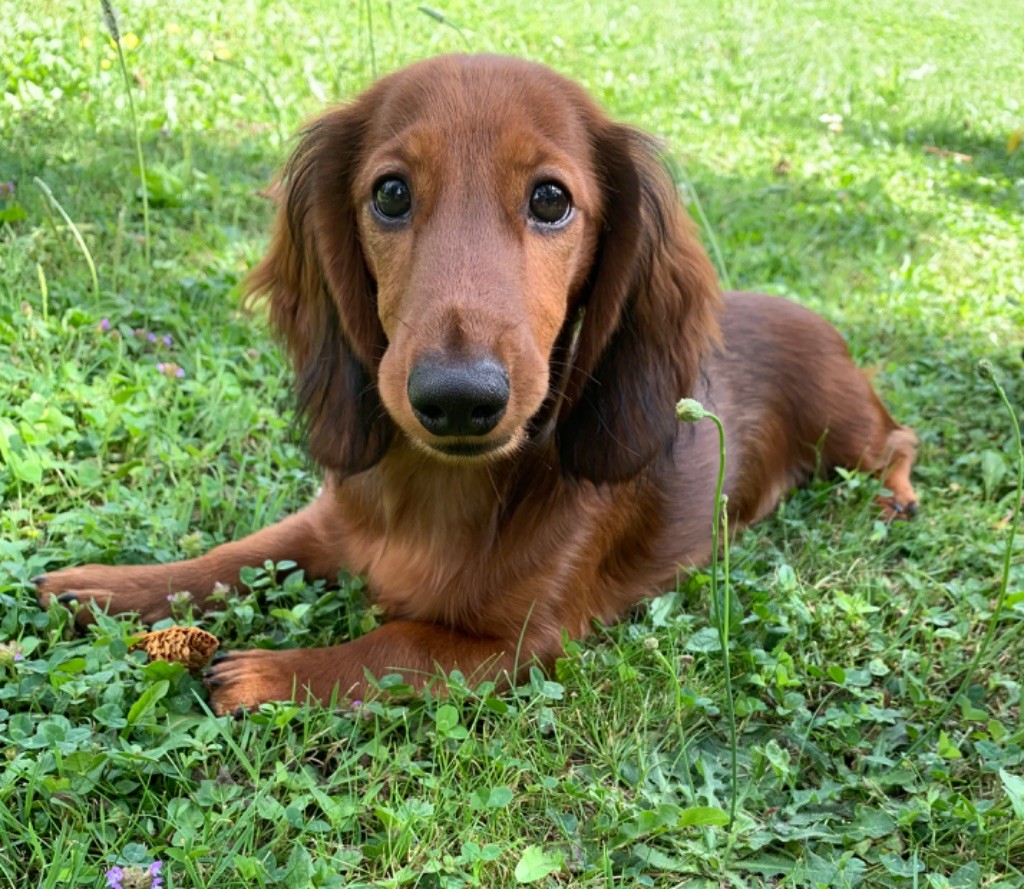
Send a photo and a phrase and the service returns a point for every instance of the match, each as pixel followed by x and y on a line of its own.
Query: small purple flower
pixel 170 369
pixel 105 325
pixel 10 652
pixel 148 878
pixel 151 337
pixel 180 600
pixel 167 340
pixel 6 190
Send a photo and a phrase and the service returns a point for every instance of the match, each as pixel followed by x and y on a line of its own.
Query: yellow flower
pixel 105 64
pixel 85 42
pixel 128 42
pixel 221 51
pixel 173 28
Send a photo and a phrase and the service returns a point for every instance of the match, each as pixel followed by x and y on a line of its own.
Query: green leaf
pixel 786 577
pixel 164 185
pixel 446 719
pixel 268 808
pixel 496 705
pixel 544 687
pixel 186 817
pixel 26 466
pixel 966 877
pixel 299 870
pixel 946 748
pixel 147 701
pixel 873 823
pixel 663 609
pixel 971 713
pixel 703 816
pixel 14 213
pixel 655 858
pixel 72 665
pixel 1014 787
pixel 535 864
pixel 491 797
pixel 704 641
pixel 900 867
pixel 109 715
pixel 993 468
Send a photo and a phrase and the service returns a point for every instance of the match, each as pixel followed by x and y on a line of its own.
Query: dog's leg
pixel 867 437
pixel 417 651
pixel 892 463
pixel 306 538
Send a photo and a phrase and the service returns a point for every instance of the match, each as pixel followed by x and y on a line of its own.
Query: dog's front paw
pixel 79 588
pixel 896 509
pixel 242 680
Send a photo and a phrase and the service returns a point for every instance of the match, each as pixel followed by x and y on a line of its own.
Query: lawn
pixel 856 156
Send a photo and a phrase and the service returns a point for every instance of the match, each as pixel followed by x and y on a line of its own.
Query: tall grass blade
pixel 53 202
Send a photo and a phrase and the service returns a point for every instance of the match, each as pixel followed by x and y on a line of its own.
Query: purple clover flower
pixel 180 600
pixel 145 878
pixel 105 325
pixel 168 341
pixel 170 369
pixel 151 337
pixel 10 652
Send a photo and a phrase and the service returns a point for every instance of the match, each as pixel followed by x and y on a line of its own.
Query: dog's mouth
pixel 471 452
pixel 466 449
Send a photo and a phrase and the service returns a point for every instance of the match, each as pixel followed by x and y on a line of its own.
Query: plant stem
pixel 723 606
pixel 690 411
pixel 138 150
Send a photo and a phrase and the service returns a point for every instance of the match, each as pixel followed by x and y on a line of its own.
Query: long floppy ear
pixel 322 298
pixel 649 318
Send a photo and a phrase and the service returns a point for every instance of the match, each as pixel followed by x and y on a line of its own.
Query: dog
pixel 493 299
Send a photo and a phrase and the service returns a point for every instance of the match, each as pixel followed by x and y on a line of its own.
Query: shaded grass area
pixel 822 140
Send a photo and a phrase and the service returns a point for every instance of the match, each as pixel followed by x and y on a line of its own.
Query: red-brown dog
pixel 493 300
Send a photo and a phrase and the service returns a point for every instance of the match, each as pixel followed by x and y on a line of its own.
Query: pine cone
pixel 179 645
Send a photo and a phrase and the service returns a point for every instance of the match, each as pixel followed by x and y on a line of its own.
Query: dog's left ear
pixel 649 318
pixel 322 298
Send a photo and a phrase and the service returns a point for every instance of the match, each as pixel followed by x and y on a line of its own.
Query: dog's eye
pixel 550 203
pixel 392 197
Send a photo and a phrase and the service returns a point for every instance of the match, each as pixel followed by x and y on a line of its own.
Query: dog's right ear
pixel 322 298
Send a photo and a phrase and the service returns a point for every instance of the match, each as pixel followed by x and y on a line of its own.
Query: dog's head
pixel 470 249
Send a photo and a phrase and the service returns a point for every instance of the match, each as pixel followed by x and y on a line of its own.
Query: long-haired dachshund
pixel 493 300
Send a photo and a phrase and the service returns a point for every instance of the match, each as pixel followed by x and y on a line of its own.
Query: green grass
pixel 848 637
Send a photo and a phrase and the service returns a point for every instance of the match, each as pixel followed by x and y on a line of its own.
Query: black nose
pixel 458 398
